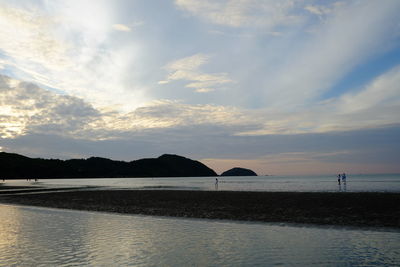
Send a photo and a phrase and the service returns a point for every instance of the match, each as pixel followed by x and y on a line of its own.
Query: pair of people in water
pixel 343 177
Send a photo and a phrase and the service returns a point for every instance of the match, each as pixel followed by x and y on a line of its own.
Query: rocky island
pixel 239 172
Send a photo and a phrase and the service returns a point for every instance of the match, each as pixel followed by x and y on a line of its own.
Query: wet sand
pixel 347 209
pixel 12 187
pixel 14 190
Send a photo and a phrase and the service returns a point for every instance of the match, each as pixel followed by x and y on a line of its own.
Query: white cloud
pixel 188 69
pixel 190 63
pixel 351 35
pixel 27 36
pixel 178 113
pixel 121 27
pixel 382 91
pixel 318 10
pixel 204 90
pixel 163 82
pixel 375 105
pixel 321 10
pixel 69 46
pixel 244 13
pixel 28 109
pixel 294 71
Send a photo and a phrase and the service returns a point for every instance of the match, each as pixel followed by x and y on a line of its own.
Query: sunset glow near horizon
pixel 280 87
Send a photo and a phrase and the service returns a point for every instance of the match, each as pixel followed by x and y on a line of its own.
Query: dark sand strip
pixel 12 187
pixel 351 209
pixel 14 190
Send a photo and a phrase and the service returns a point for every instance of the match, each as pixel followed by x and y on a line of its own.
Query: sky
pixel 280 87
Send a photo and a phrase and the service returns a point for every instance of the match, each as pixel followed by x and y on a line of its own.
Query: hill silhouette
pixel 239 172
pixel 15 166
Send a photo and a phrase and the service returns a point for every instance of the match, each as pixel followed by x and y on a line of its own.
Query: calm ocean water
pixel 322 183
pixel 31 236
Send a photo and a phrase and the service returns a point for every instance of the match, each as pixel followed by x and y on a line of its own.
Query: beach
pixel 364 209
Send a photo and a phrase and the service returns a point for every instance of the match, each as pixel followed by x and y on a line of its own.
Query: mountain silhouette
pixel 15 166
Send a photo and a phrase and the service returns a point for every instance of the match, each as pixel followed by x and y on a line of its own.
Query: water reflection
pixel 9 230
pixel 342 187
pixel 38 236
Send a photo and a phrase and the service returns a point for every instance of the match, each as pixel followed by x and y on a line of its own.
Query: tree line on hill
pixel 14 166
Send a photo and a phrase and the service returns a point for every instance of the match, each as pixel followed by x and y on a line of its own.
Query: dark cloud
pixel 374 146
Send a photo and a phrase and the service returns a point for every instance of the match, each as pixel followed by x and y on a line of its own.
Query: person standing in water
pixel 338 179
pixel 216 183
pixel 344 178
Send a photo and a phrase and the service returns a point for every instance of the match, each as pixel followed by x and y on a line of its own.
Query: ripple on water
pixel 47 237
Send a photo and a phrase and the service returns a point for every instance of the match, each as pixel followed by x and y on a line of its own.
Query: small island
pixel 239 172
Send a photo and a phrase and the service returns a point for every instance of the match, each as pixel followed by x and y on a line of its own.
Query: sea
pixel 314 183
pixel 35 236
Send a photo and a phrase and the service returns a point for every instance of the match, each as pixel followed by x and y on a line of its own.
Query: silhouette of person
pixel 344 178
pixel 338 179
pixel 216 183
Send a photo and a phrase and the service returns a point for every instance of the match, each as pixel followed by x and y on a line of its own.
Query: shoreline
pixel 320 208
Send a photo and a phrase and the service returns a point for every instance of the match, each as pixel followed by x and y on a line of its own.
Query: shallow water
pixel 321 183
pixel 31 236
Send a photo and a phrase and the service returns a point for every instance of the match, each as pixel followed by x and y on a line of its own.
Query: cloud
pixel 26 108
pixel 33 41
pixel 121 27
pixel 191 63
pixel 37 122
pixel 204 90
pixel 350 36
pixel 382 92
pixel 302 66
pixel 321 10
pixel 318 10
pixel 187 69
pixel 248 13
pixel 374 105
pixel 70 47
pixel 180 114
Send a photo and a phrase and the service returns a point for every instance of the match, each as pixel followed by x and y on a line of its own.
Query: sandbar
pixel 367 209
